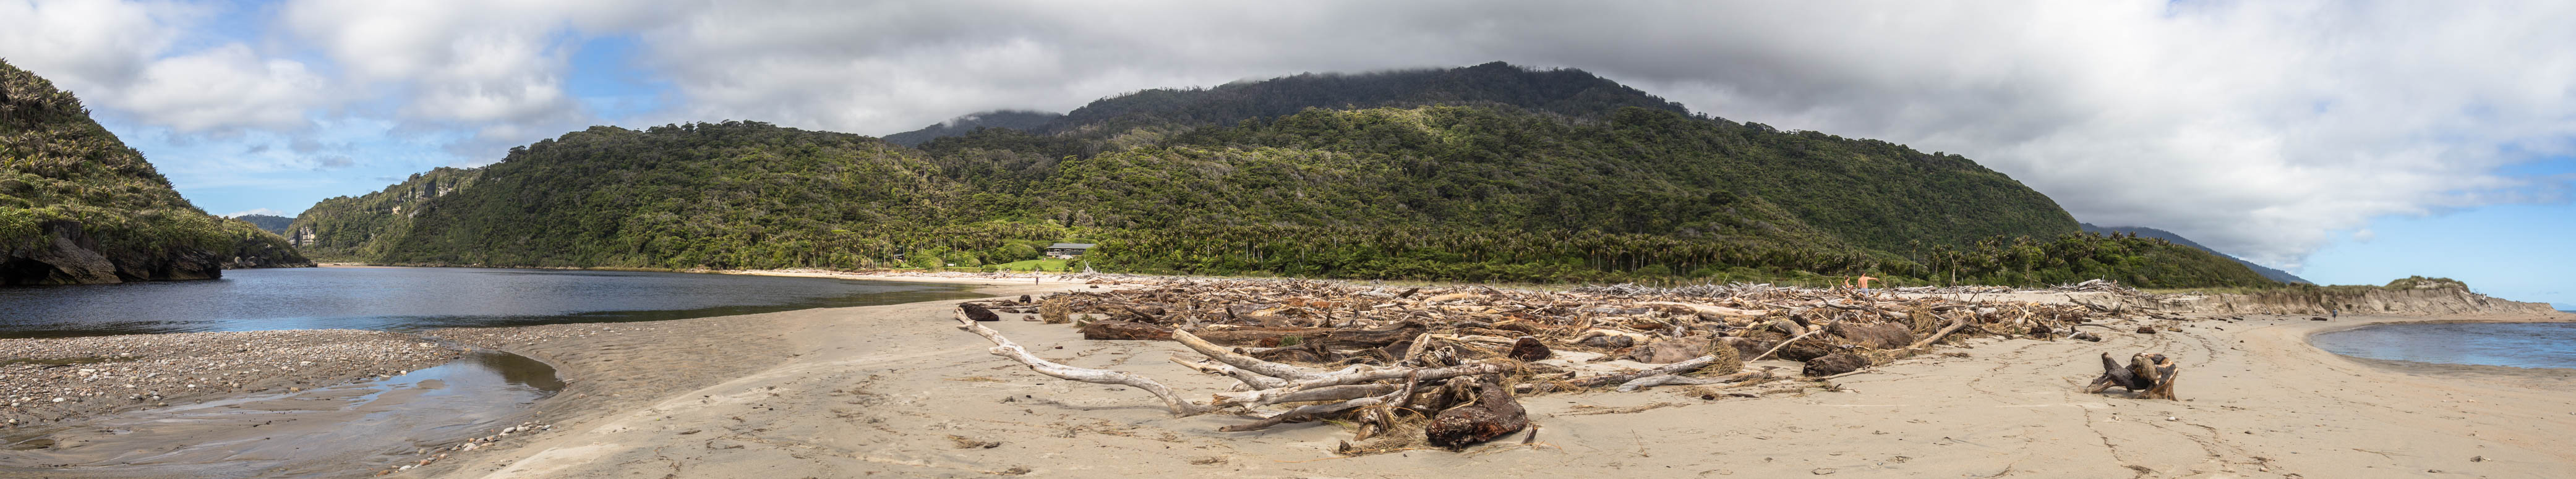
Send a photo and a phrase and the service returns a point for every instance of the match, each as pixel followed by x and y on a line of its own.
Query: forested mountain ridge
pixel 1562 92
pixel 270 223
pixel 2267 272
pixel 77 206
pixel 1486 172
pixel 1007 119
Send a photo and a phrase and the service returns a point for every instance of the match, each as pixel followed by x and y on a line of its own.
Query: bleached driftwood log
pixel 1276 395
pixel 1393 395
pixel 1680 380
pixel 1005 348
pixel 1247 363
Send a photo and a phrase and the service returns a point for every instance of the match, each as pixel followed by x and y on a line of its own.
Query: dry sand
pixel 898 391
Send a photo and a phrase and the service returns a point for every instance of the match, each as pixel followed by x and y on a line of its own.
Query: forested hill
pixel 1563 92
pixel 358 228
pixel 2273 274
pixel 270 223
pixel 78 206
pixel 1486 172
pixel 1010 119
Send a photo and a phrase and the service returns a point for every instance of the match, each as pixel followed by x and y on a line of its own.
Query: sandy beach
pixel 898 390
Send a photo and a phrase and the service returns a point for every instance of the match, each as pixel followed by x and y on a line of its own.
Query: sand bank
pixel 896 390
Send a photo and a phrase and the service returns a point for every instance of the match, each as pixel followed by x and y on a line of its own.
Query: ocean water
pixel 406 299
pixel 2528 345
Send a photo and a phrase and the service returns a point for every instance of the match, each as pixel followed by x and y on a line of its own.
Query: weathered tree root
pixel 2149 375
pixel 1491 414
pixel 1005 348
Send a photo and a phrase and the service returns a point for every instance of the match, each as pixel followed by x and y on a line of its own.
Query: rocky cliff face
pixel 2424 300
pixel 67 255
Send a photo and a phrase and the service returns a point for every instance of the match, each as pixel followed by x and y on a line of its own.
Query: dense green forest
pixel 78 206
pixel 271 223
pixel 1490 172
pixel 1005 119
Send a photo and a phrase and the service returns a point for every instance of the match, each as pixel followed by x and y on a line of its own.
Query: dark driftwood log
pixel 1125 330
pixel 1529 349
pixel 1873 335
pixel 2114 374
pixel 1836 363
pixel 978 313
pixel 2149 375
pixel 1374 338
pixel 2146 330
pixel 1491 414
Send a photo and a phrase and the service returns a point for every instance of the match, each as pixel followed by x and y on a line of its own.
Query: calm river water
pixel 406 299
pixel 2528 345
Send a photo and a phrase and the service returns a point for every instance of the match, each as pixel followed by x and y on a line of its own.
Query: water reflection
pixel 404 299
pixel 2528 345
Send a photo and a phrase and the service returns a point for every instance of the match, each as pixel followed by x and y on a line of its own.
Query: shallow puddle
pixel 336 431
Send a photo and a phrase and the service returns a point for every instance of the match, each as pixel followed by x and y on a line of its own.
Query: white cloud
pixel 255 211
pixel 222 87
pixel 120 55
pixel 495 67
pixel 85 45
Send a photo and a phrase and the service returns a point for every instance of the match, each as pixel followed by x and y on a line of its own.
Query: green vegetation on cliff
pixel 271 223
pixel 78 206
pixel 1487 172
pixel 359 228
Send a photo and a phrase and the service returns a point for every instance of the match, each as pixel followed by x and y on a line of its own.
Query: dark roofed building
pixel 1067 250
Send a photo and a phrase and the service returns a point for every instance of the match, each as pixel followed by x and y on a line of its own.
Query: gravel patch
pixel 48 380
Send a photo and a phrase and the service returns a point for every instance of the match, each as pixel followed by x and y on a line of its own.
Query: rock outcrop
pixel 2402 298
pixel 67 255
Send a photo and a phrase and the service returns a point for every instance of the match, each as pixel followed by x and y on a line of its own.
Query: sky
pixel 2351 142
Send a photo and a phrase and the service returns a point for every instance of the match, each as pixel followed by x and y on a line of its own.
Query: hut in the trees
pixel 1067 250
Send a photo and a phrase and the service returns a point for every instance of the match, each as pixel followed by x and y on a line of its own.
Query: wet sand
pixel 897 390
pixel 330 431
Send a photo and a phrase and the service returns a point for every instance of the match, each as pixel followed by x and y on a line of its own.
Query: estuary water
pixel 2526 345
pixel 410 299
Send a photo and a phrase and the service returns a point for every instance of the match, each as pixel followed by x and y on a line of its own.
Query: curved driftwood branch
pixel 1256 381
pixel 1247 363
pixel 1680 380
pixel 1275 395
pixel 1955 324
pixel 1005 348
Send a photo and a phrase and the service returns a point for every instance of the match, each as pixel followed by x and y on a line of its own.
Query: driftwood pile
pixel 1387 358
